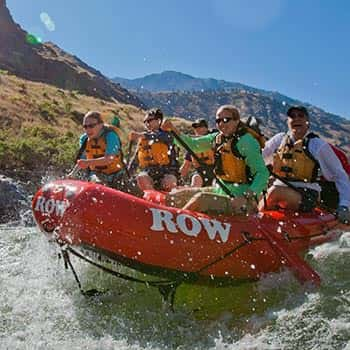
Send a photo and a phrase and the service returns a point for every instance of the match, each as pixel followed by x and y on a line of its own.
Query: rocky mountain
pixel 176 81
pixel 23 55
pixel 172 81
pixel 189 97
pixel 269 109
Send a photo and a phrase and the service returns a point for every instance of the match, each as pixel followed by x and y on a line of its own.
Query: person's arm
pixel 113 144
pixel 160 136
pixel 249 148
pixel 332 169
pixel 82 140
pixel 197 144
pixel 271 146
pixel 135 135
pixel 185 168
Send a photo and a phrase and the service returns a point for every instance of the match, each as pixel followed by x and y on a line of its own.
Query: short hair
pixel 154 112
pixel 94 115
pixel 231 109
pixel 301 109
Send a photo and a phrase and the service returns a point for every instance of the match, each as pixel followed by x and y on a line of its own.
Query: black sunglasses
pixel 224 120
pixel 89 126
pixel 149 120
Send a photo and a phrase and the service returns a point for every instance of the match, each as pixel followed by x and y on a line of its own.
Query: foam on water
pixel 41 307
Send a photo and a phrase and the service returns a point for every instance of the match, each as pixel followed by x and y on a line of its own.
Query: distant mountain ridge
pixel 175 81
pixel 171 81
pixel 23 55
pixel 183 95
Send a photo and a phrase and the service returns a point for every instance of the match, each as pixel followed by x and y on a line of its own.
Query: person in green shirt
pixel 239 167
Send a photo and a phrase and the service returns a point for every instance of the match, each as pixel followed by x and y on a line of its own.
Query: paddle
pixel 76 168
pixel 131 143
pixel 74 171
pixel 301 269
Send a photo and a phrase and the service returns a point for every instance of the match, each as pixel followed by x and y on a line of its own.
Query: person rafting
pixel 155 155
pixel 297 157
pixel 203 175
pixel 101 155
pixel 239 168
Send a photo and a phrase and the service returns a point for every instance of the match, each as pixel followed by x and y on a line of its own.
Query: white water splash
pixel 41 307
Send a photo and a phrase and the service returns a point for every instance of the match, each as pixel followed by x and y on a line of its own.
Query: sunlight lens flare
pixel 33 39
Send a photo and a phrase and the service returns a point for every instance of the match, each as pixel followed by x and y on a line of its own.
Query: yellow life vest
pixel 230 166
pixel 96 148
pixel 207 158
pixel 152 153
pixel 293 161
pixel 259 137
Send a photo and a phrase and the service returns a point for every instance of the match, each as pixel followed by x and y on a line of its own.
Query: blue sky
pixel 299 48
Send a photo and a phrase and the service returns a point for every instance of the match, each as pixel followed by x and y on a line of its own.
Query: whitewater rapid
pixel 42 308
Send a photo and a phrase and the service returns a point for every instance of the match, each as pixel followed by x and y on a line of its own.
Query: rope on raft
pixel 167 288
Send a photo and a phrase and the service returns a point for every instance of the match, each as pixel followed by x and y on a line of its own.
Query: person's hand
pixel 252 207
pixel 83 163
pixel 133 136
pixel 343 215
pixel 239 205
pixel 244 205
pixel 167 125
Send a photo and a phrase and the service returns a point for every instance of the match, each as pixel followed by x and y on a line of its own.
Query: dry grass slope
pixel 40 125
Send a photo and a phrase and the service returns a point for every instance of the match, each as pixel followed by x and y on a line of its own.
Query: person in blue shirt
pixel 101 153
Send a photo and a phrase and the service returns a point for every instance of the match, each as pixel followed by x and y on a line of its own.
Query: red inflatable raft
pixel 165 241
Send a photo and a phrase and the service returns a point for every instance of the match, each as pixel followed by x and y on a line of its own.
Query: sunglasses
pixel 294 115
pixel 89 126
pixel 224 120
pixel 149 120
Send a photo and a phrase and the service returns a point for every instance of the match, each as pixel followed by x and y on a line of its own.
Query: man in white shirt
pixel 296 158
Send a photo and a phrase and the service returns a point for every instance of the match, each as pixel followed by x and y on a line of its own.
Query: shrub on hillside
pixel 37 148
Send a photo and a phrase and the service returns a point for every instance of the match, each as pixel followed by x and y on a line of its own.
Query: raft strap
pixel 167 288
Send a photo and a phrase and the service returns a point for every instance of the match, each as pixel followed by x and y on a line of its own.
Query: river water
pixel 42 308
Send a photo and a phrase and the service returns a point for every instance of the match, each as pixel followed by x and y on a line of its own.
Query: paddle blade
pixel 303 272
pixel 300 268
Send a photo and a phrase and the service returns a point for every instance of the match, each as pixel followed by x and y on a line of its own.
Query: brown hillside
pixel 21 55
pixel 40 126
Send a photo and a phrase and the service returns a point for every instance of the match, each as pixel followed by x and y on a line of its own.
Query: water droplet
pixel 47 21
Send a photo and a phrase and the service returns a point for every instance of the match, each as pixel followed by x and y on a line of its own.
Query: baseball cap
pixel 199 122
pixel 298 108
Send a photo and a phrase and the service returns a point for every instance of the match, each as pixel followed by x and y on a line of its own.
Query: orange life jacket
pixel 207 158
pixel 96 148
pixel 153 153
